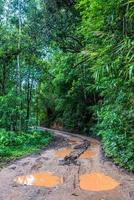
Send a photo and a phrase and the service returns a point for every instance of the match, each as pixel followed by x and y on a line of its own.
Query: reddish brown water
pixel 87 154
pixel 97 182
pixel 40 179
pixel 63 152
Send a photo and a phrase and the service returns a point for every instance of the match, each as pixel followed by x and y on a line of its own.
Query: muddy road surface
pixel 46 175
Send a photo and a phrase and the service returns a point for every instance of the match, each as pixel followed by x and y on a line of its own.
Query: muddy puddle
pixel 97 182
pixel 63 152
pixel 45 179
pixel 87 154
pixel 73 142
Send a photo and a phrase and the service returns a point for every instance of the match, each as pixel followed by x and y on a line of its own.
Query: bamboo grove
pixel 70 63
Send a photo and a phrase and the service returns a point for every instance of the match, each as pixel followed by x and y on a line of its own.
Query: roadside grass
pixel 16 145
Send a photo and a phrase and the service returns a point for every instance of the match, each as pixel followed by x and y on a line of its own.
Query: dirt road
pixel 91 178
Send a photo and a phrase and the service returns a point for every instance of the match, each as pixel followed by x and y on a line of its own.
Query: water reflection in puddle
pixel 97 182
pixel 87 154
pixel 45 179
pixel 63 152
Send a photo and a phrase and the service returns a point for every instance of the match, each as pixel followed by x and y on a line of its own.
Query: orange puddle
pixel 40 179
pixel 97 182
pixel 87 154
pixel 63 152
pixel 73 142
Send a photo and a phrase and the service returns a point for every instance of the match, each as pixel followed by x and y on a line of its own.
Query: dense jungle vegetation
pixel 68 62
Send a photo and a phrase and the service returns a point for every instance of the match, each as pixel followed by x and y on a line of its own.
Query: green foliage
pixel 119 148
pixel 107 27
pixel 14 145
pixel 69 62
pixel 93 87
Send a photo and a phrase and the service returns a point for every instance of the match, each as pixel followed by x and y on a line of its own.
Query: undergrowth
pixel 15 145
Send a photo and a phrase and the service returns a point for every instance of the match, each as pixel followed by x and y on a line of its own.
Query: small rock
pixel 45 158
pixel 36 166
pixel 14 185
pixel 39 191
pixel 75 194
pixel 12 167
pixel 41 159
pixel 49 192
pixel 24 164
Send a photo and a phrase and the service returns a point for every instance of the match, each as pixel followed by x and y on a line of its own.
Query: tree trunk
pixel 18 66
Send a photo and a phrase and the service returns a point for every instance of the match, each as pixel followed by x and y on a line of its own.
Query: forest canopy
pixel 70 63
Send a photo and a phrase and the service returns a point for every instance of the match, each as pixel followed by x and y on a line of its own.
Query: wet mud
pixel 40 176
